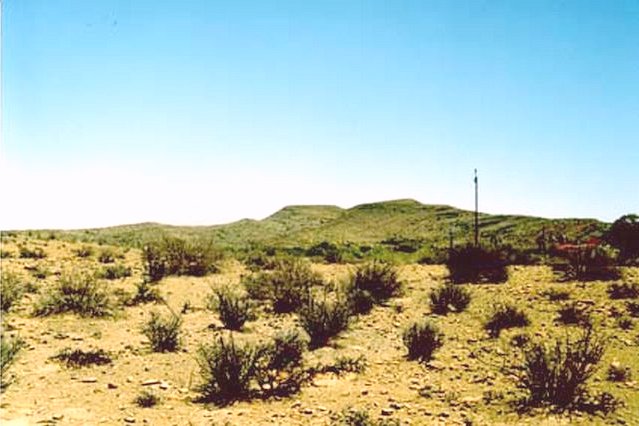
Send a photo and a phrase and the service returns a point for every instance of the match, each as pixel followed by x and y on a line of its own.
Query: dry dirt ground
pixel 464 384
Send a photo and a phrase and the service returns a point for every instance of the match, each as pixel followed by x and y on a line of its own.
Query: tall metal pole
pixel 476 211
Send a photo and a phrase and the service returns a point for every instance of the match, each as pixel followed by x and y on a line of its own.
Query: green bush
pixel 574 313
pixel 422 339
pixel 9 349
pixel 114 272
pixel 280 370
pixel 619 373
pixel 79 293
pixel 354 417
pixel 624 235
pixel 378 279
pixel 586 263
pixel 75 358
pixel 323 319
pixel 233 309
pixel 5 254
pixel 145 293
pixel 471 264
pixel 107 255
pixel 624 291
pixel 345 364
pixel 633 308
pixel 163 332
pixel 227 370
pixel 505 316
pixel 84 251
pixel 449 298
pixel 556 373
pixel 174 256
pixel 11 290
pixel 555 295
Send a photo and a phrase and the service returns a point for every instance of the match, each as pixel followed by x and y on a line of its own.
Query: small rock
pixel 151 382
pixel 129 420
pixel 164 385
pixel 57 416
pixel 88 380
pixel 307 411
pixel 387 412
pixel 112 386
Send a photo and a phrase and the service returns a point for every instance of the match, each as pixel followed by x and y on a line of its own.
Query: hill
pixel 387 222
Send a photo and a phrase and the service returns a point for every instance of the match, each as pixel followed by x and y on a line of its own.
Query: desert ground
pixel 467 381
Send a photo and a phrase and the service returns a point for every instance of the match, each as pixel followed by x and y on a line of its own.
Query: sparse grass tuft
pixel 29 253
pixel 84 251
pixel 114 272
pixel 145 293
pixel 163 332
pixel 449 298
pixel 76 358
pixel 9 349
pixel 633 308
pixel 505 316
pixel 78 293
pixel 574 313
pixel 619 373
pixel 147 399
pixel 422 339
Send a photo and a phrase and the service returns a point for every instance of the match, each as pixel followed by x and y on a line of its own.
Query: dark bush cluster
pixel 114 272
pixel 556 295
pixel 234 309
pixel 75 358
pixel 29 253
pixel 472 264
pixel 422 339
pixel 373 283
pixel 163 332
pixel 633 308
pixel 323 319
pixel 147 399
pixel 108 255
pixel 618 372
pixel 556 373
pixel 84 251
pixel 231 372
pixel 355 417
pixel 175 256
pixel 505 316
pixel 449 298
pixel 624 235
pixel 9 349
pixel 587 263
pixel 574 313
pixel 624 291
pixel 78 292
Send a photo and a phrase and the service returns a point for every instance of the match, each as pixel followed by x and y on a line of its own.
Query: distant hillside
pixel 370 224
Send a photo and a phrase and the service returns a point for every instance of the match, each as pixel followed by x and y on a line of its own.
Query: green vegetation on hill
pixel 400 226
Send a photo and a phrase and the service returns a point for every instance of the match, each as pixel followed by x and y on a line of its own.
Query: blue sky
pixel 203 112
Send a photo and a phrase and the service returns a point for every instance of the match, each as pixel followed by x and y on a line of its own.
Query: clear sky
pixel 204 112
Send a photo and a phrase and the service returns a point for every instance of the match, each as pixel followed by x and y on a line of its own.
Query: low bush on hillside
pixel 147 399
pixel 323 319
pixel 471 264
pixel 373 283
pixel 343 364
pixel 114 272
pixel 624 291
pixel 574 314
pixel 11 290
pixel 557 373
pixel 232 372
pixel 108 255
pixel 84 251
pixel 32 253
pixel 163 332
pixel 633 308
pixel 449 298
pixel 80 293
pixel 5 254
pixel 505 316
pixel 361 417
pixel 556 295
pixel 76 358
pixel 625 323
pixel 174 256
pixel 233 308
pixel 586 263
pixel 618 372
pixel 9 349
pixel 422 339
pixel 145 293
pixel 624 235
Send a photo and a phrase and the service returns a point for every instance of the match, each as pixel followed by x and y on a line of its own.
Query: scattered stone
pixel 57 416
pixel 129 420
pixel 88 380
pixel 112 386
pixel 307 411
pixel 151 382
pixel 387 411
pixel 164 385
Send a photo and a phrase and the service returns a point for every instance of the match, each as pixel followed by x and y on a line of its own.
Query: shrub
pixel 9 349
pixel 107 255
pixel 145 293
pixel 624 291
pixel 75 358
pixel 114 272
pixel 323 319
pixel 422 339
pixel 233 309
pixel 29 253
pixel 449 298
pixel 472 264
pixel 555 295
pixel 147 399
pixel 624 235
pixel 377 279
pixel 344 364
pixel 79 293
pixel 625 323
pixel 10 290
pixel 174 256
pixel 5 254
pixel 354 417
pixel 280 370
pixel 505 316
pixel 619 373
pixel 84 251
pixel 574 313
pixel 633 308
pixel 586 263
pixel 163 333
pixel 227 370
pixel 557 373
